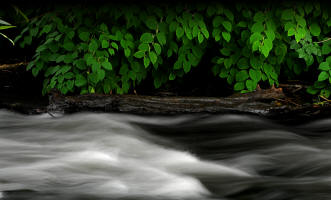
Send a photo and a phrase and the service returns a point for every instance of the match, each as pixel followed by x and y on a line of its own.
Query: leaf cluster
pixel 112 48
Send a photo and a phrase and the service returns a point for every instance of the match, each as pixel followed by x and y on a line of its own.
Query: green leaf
pixel 217 21
pixel 251 85
pixel 242 24
pixel 270 34
pixel 211 10
pixel 151 23
pixel 324 66
pixel 259 17
pixel 33 31
pixel 146 38
pixel 257 27
pixel 80 80
pixel 143 47
pixel 152 57
pixel 80 64
pixel 101 74
pixel 85 36
pixel 325 92
pixel 173 26
pixel 169 53
pixel 228 14
pixel 111 51
pixel 139 54
pixel 225 51
pixel 114 45
pixel 239 86
pixel 289 25
pixel 228 63
pixel 227 25
pixel 172 76
pixel 161 38
pixel 60 59
pixel 224 73
pixel 205 32
pixel 255 62
pixel 300 34
pixel 308 7
pixel 179 32
pixel 186 66
pixel 70 84
pixel 326 49
pixel 255 37
pixel 301 21
pixel 57 38
pixel 200 37
pixel 47 28
pixel 323 76
pixel 107 65
pixel 312 90
pixel 103 27
pixel 177 65
pixel 226 36
pixel 51 70
pixel 95 66
pixel 68 58
pixel 93 46
pixel 328 60
pixel 266 48
pixel 157 48
pixel 242 75
pixel 291 32
pixel 69 46
pixel 157 83
pixel 188 33
pixel 2 22
pixel 243 63
pixel 68 75
pixel 255 75
pixel 70 34
pixel 329 22
pixel 127 52
pixel 104 44
pixel 146 62
pixel 287 14
pixel 315 29
pixel 267 68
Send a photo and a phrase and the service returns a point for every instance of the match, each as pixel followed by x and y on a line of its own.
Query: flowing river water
pixel 192 157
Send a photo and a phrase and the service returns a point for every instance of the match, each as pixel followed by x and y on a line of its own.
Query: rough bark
pixel 13 65
pixel 267 103
pixel 246 103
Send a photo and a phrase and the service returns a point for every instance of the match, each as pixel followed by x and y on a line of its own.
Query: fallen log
pixel 273 106
pixel 141 104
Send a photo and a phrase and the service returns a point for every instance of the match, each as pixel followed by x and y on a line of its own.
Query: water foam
pixel 99 155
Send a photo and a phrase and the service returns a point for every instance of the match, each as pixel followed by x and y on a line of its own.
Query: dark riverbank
pixel 20 92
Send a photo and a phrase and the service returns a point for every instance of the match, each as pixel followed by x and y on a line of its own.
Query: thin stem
pixel 323 41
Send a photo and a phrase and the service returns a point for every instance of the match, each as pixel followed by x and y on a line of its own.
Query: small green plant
pixel 5 25
pixel 113 48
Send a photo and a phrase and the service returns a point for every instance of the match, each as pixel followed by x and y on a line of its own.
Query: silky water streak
pixel 121 156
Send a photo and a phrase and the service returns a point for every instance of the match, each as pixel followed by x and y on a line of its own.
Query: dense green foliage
pixel 112 48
